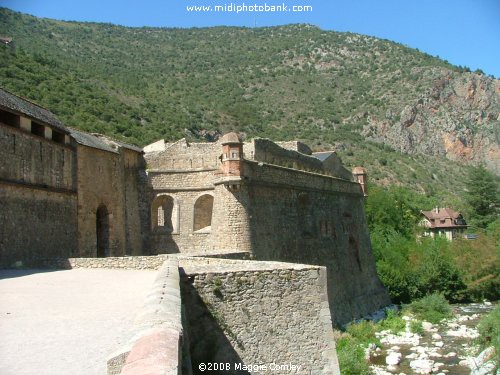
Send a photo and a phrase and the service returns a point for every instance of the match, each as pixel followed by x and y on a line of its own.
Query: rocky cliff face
pixel 458 117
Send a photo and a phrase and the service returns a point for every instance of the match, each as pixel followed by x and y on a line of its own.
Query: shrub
pixel 416 327
pixel 489 330
pixel 351 356
pixel 478 262
pixel 363 332
pixel 436 271
pixel 432 308
pixel 393 322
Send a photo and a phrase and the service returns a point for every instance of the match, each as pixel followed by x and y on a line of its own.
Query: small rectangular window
pixel 10 119
pixel 58 137
pixel 37 129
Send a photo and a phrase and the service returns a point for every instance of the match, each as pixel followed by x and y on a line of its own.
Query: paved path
pixel 66 322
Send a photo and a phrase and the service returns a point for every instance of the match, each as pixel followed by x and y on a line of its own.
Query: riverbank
pixel 444 348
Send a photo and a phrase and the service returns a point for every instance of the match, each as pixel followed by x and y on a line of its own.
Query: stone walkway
pixel 66 322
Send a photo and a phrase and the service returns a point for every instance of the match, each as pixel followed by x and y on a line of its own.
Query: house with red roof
pixel 444 222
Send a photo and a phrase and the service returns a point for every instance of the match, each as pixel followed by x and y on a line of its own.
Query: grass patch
pixel 351 356
pixel 393 322
pixel 489 330
pixel 416 327
pixel 432 308
pixel 351 347
pixel 363 332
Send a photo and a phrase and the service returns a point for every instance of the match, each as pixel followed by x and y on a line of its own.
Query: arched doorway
pixel 102 231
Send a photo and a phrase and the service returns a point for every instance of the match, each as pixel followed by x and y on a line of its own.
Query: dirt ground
pixel 66 322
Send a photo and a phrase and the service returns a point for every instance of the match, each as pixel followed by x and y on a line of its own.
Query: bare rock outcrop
pixel 458 117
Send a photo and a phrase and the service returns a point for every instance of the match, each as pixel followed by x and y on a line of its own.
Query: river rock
pixel 436 336
pixel 485 355
pixel 393 359
pixel 403 338
pixel 487 368
pixel 437 366
pixel 435 354
pixel 427 326
pixel 377 370
pixel 422 366
pixel 463 331
pixel 483 363
pixel 464 362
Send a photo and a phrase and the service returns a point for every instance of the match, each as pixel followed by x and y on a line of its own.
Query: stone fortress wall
pixel 180 174
pixel 253 313
pixel 35 160
pixel 283 206
pixel 109 181
pixel 38 201
pixel 63 192
pixel 268 152
pixel 320 227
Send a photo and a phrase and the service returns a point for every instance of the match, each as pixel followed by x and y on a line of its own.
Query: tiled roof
pixel 442 213
pixel 128 146
pixel 443 218
pixel 29 109
pixel 100 142
pixel 90 140
pixel 230 138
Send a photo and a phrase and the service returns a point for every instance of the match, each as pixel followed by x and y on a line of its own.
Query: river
pixel 444 348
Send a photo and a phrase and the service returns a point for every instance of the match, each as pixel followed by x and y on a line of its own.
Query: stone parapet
pixel 285 177
pixel 155 340
pixel 127 262
pixel 253 313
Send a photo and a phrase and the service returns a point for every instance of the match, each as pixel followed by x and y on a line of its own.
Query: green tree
pixel 482 196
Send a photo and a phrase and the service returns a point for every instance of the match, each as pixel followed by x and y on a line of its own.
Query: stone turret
pixel 232 155
pixel 359 174
pixel 232 161
pixel 228 234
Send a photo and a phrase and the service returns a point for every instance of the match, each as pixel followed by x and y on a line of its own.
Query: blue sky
pixel 463 32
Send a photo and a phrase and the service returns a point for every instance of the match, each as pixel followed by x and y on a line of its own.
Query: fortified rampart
pixel 63 192
pixel 275 204
pixel 266 151
pixel 108 192
pixel 38 201
pixel 253 313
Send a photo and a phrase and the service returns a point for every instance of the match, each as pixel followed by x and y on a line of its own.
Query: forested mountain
pixel 409 118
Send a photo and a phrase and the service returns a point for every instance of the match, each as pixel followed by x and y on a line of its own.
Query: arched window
pixel 203 213
pixel 102 231
pixel 164 214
